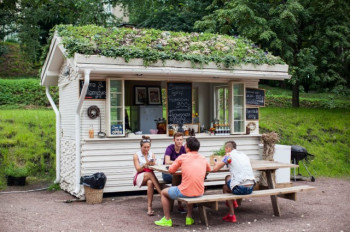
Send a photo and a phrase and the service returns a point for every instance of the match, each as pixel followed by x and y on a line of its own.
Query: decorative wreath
pixel 252 126
pixel 93 112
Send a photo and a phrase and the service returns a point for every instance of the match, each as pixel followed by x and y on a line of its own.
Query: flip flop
pixel 150 213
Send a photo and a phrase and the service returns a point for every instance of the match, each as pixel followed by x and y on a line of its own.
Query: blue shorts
pixel 175 193
pixel 240 189
pixel 168 178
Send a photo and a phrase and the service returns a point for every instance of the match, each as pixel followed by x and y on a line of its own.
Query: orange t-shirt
pixel 194 167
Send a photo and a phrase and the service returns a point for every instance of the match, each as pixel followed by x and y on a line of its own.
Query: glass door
pixel 115 108
pixel 237 105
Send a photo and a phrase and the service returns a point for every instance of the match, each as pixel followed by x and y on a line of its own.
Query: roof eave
pixel 52 65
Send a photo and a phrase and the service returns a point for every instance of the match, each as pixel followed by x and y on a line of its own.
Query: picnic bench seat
pixel 211 201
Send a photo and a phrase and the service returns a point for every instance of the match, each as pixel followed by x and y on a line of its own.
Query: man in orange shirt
pixel 194 168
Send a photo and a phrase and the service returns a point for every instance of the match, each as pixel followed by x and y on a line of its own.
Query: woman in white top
pixel 145 176
pixel 241 181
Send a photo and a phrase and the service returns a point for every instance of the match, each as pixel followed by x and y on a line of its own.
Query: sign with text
pixel 179 96
pixel 96 89
pixel 252 113
pixel 255 97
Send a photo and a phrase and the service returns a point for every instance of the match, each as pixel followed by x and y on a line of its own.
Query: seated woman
pixel 241 181
pixel 145 176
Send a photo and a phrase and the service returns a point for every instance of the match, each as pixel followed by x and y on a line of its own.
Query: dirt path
pixel 325 209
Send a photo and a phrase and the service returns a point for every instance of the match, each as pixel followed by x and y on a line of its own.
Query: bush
pixel 16 171
pixel 24 93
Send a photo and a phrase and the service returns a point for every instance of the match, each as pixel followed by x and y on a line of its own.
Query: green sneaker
pixel 189 221
pixel 165 222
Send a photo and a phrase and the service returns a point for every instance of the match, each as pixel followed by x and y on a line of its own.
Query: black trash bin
pixel 93 187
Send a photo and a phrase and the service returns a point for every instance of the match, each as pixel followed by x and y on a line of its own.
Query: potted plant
pixel 217 156
pixel 15 174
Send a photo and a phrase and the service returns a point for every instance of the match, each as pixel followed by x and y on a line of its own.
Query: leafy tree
pixel 174 15
pixel 293 30
pixel 37 17
pixel 8 16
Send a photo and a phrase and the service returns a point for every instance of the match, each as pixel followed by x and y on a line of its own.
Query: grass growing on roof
pixel 152 45
pixel 324 133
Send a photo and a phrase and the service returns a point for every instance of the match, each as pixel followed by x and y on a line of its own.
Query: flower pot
pixel 18 181
pixel 215 157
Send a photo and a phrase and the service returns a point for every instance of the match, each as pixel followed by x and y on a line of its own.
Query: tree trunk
pixel 295 97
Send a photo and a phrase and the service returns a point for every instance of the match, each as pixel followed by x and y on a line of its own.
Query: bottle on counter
pixel 91 132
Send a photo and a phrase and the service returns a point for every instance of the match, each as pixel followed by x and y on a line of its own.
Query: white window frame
pixel 217 104
pixel 232 107
pixel 108 107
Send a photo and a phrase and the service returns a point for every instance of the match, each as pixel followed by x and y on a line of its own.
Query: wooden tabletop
pixel 258 165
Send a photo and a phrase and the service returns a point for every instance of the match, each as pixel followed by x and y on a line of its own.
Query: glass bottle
pixel 91 132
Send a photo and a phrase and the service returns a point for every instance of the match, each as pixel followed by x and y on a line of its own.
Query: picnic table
pixel 269 167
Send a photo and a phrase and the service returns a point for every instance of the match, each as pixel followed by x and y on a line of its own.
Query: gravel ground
pixel 325 209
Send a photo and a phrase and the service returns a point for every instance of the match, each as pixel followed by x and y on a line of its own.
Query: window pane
pixel 239 126
pixel 238 101
pixel 238 108
pixel 238 89
pixel 116 86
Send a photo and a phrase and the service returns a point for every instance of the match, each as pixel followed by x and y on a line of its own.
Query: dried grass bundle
pixel 269 140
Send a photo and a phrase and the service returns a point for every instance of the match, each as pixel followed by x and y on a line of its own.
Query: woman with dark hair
pixel 145 176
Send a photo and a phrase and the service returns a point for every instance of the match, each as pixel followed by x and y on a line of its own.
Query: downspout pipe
pixel 77 130
pixel 58 135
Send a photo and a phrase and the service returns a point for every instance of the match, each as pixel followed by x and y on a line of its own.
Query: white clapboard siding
pixel 68 100
pixel 114 157
pixel 87 122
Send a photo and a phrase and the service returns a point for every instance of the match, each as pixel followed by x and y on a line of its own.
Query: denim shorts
pixel 168 178
pixel 240 189
pixel 175 193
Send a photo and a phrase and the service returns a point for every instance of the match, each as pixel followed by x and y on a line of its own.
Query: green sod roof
pixel 152 45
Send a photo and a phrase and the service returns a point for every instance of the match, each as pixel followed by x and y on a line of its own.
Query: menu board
pixel 255 97
pixel 179 96
pixel 96 89
pixel 252 113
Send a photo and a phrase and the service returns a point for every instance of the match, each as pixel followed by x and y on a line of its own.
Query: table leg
pixel 203 215
pixel 274 199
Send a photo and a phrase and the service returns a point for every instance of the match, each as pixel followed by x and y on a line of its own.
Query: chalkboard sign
pixel 179 103
pixel 252 113
pixel 255 97
pixel 96 89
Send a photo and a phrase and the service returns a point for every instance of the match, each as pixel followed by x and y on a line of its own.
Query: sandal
pixel 150 213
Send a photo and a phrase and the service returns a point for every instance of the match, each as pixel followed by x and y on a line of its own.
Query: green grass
pixel 27 137
pixel 324 133
pixel 279 97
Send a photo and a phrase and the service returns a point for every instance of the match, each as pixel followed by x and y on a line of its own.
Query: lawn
pixel 324 133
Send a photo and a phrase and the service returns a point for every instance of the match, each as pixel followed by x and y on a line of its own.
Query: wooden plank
pixel 260 193
pixel 203 215
pixel 274 199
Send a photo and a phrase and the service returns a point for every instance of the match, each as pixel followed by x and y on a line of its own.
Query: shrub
pixel 25 93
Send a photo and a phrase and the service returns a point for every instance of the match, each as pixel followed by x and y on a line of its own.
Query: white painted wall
pixel 114 157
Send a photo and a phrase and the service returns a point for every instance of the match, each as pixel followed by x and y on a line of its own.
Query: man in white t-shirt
pixel 241 181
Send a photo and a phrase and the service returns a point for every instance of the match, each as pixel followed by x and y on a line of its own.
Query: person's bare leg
pixel 150 190
pixel 153 178
pixel 226 189
pixel 166 203
pixel 189 210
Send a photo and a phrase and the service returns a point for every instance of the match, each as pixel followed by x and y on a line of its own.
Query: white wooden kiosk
pixel 78 155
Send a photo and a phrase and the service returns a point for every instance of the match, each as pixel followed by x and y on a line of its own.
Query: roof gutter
pixel 161 72
pixel 77 130
pixel 58 135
